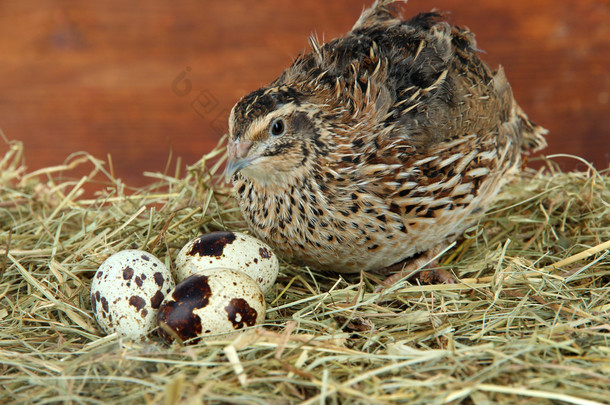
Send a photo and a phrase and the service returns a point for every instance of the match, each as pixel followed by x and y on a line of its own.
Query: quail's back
pixel 377 145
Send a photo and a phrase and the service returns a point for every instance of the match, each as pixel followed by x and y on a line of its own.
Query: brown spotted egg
pixel 217 303
pixel 126 293
pixel 232 250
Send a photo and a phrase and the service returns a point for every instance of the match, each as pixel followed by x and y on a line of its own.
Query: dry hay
pixel 528 321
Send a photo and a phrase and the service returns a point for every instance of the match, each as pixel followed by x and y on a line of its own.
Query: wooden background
pixel 136 79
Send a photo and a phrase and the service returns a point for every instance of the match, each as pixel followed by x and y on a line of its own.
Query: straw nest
pixel 527 322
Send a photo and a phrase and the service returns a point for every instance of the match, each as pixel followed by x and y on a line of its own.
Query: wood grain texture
pixel 104 77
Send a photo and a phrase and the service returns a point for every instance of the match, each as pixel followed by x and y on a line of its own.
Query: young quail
pixel 377 145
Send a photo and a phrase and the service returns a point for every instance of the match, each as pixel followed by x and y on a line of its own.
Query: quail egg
pixel 233 250
pixel 219 302
pixel 126 292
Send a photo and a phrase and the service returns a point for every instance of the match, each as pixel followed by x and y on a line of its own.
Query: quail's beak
pixel 238 157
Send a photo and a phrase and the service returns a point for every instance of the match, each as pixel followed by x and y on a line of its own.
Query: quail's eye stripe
pixel 278 127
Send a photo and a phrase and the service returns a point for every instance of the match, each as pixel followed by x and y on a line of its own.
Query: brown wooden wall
pixel 105 76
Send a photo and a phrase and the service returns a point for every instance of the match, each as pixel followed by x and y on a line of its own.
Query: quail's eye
pixel 277 127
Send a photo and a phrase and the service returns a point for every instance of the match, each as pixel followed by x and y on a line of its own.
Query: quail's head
pixel 272 131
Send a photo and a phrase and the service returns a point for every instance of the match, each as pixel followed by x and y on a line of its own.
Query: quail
pixel 376 146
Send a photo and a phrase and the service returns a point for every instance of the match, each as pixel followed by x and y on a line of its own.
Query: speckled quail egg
pixel 233 250
pixel 126 292
pixel 217 303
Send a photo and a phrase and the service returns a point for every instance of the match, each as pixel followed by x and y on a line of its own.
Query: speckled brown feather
pixel 393 137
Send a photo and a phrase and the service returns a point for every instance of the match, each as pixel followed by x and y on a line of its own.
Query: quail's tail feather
pixel 532 135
